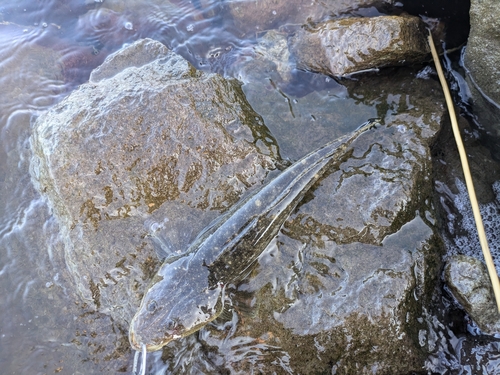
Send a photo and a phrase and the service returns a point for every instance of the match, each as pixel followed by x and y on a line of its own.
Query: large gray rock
pixel 161 144
pixel 470 283
pixel 349 45
pixel 482 62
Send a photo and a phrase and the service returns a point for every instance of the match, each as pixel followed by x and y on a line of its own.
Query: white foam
pixel 467 242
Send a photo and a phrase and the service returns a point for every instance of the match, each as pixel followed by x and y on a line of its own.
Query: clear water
pixel 49 47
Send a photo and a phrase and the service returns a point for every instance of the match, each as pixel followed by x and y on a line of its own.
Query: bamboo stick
pixel 468 179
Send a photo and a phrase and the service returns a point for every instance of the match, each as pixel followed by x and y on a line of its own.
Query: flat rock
pixel 349 45
pixel 470 284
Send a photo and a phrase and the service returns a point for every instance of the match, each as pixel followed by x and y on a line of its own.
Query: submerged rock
pixel 349 45
pixel 469 282
pixel 161 144
pixel 256 16
pixel 272 48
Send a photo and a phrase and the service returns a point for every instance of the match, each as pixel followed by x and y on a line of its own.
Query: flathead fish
pixel 188 290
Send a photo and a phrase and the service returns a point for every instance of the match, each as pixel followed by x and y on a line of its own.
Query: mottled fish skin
pixel 188 291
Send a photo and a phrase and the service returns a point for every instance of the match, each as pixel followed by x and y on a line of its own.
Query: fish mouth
pixel 137 344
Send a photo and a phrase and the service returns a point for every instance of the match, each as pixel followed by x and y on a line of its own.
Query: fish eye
pixel 170 325
pixel 152 305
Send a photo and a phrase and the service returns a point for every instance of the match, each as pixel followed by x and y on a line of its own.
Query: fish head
pixel 178 303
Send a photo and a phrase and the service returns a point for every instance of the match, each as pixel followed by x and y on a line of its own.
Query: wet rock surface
pixel 330 307
pixel 159 146
pixel 349 45
pixel 482 61
pixel 469 282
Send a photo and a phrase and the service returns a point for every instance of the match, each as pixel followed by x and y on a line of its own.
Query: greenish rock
pixel 331 308
pixel 470 284
pixel 349 45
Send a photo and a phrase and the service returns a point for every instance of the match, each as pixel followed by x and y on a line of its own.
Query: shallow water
pixel 47 48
